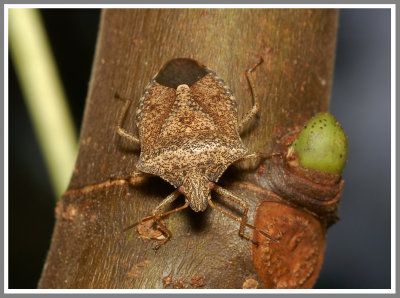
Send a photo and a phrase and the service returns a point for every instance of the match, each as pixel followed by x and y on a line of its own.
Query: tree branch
pixel 88 249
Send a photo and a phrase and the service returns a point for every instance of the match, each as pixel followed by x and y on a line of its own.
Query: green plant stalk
pixel 43 93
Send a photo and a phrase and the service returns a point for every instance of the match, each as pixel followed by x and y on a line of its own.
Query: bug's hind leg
pixel 121 131
pixel 236 199
pixel 256 105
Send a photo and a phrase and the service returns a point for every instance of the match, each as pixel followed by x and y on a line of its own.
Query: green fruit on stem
pixel 322 144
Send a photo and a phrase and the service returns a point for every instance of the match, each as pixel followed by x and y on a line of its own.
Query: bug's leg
pixel 236 199
pixel 258 156
pixel 242 221
pixel 120 131
pixel 137 177
pixel 159 210
pixel 134 178
pixel 255 159
pixel 163 228
pixel 157 214
pixel 256 105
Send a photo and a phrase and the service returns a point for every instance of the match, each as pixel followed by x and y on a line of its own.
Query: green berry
pixel 322 144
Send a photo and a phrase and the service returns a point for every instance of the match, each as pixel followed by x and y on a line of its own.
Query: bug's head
pixel 197 190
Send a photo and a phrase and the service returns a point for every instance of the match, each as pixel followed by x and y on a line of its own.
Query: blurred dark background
pixel 358 253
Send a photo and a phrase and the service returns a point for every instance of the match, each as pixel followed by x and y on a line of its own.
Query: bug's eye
pixel 181 191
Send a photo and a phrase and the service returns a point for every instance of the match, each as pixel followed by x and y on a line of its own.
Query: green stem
pixel 43 93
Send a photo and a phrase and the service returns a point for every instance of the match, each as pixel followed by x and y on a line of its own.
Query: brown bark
pixel 88 249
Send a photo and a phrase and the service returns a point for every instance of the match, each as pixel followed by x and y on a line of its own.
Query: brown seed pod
pixel 296 260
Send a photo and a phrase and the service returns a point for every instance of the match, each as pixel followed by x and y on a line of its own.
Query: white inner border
pixel 209 291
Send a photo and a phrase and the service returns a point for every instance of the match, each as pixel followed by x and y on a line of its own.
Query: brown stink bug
pixel 189 135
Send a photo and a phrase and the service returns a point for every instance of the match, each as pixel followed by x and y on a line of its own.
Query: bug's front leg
pixel 255 159
pixel 133 178
pixel 159 210
pixel 256 104
pixel 157 213
pixel 258 156
pixel 121 131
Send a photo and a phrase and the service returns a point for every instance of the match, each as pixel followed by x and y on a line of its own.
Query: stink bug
pixel 189 135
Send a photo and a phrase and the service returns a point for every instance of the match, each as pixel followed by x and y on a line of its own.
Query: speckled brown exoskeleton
pixel 189 134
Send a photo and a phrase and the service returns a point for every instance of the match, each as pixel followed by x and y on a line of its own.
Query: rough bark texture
pixel 89 250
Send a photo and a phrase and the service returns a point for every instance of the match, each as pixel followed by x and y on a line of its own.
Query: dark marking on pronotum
pixel 180 71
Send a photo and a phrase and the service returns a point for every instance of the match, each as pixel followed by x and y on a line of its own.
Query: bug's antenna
pixel 156 216
pixel 211 203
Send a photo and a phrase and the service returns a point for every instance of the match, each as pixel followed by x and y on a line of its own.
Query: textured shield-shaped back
pixel 193 131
